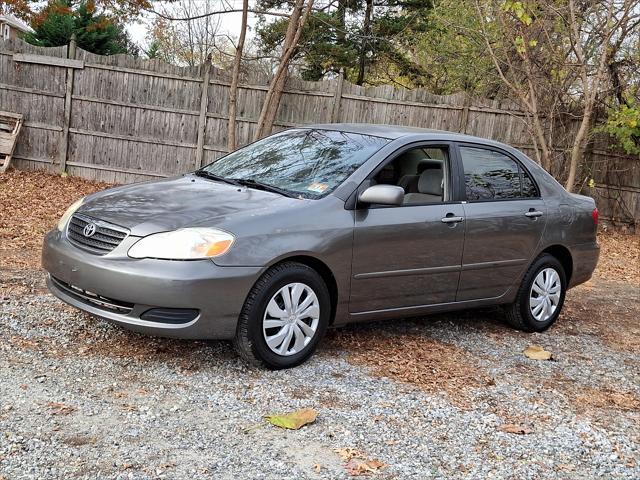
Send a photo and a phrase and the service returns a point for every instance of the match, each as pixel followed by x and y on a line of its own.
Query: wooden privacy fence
pixel 122 119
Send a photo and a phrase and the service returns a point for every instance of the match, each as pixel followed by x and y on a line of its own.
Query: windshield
pixel 303 162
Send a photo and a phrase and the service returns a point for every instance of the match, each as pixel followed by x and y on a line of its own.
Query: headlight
pixel 62 223
pixel 183 244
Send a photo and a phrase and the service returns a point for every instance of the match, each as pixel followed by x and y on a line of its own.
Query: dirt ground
pixel 468 360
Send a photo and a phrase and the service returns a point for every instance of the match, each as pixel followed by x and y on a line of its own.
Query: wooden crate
pixel 10 124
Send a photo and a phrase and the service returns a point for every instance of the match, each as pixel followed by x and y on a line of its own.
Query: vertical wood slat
pixel 337 98
pixel 64 140
pixel 464 118
pixel 202 119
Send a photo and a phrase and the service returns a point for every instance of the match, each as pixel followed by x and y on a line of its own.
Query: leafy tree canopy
pixel 339 36
pixel 95 32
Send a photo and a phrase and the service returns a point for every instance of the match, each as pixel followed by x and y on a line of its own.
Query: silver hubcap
pixel 544 296
pixel 291 319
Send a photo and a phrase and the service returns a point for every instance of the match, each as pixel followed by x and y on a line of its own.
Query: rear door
pixel 504 219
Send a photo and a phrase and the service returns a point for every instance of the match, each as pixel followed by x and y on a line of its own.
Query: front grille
pixel 106 237
pixel 94 299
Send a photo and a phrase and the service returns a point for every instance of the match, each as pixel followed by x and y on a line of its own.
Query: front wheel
pixel 540 296
pixel 284 317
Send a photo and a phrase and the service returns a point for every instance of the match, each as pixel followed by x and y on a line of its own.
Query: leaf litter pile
pixel 32 203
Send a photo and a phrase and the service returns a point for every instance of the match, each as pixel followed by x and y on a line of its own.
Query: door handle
pixel 533 213
pixel 452 219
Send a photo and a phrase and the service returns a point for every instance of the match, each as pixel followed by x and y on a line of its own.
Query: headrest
pixel 430 182
pixel 428 164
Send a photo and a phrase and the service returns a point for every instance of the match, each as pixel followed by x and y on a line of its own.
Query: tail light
pixel 594 215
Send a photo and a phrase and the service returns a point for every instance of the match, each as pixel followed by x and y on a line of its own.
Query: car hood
pixel 187 201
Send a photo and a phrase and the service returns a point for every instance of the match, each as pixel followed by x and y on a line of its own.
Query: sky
pixel 138 30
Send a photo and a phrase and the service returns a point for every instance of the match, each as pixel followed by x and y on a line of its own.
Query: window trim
pixel 452 165
pixel 521 168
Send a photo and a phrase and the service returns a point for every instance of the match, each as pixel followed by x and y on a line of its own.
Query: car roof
pixel 394 132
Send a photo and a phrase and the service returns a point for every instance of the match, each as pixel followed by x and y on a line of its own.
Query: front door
pixel 504 219
pixel 409 255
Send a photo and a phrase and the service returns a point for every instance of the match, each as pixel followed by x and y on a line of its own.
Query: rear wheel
pixel 540 296
pixel 284 317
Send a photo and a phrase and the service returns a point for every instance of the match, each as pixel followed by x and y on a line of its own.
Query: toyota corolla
pixel 321 226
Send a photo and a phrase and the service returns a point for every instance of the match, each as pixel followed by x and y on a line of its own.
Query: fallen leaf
pixel 536 352
pixel 348 453
pixel 516 429
pixel 58 408
pixel 293 420
pixel 357 467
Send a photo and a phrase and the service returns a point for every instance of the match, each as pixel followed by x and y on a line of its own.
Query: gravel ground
pixel 80 398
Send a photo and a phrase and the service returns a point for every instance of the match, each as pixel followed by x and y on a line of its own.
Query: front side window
pixel 491 175
pixel 304 162
pixel 422 172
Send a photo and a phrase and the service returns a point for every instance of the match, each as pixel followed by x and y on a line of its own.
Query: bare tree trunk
pixel 274 94
pixel 365 40
pixel 590 87
pixel 233 91
pixel 577 149
pixel 526 95
pixel 342 15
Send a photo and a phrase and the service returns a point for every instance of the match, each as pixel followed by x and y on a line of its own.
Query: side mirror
pixel 383 195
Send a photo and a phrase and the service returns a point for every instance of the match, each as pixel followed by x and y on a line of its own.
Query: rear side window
pixel 528 187
pixel 491 175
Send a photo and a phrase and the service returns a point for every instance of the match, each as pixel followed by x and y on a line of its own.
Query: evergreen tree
pixel 354 36
pixel 95 32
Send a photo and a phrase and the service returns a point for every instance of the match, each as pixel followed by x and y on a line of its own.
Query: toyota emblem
pixel 89 229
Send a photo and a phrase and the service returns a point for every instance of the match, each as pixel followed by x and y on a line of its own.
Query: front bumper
pixel 218 293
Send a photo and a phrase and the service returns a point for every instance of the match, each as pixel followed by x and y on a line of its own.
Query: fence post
pixel 64 143
pixel 202 120
pixel 337 97
pixel 464 119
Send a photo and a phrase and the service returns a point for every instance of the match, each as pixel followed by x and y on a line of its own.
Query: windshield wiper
pixel 252 183
pixel 211 176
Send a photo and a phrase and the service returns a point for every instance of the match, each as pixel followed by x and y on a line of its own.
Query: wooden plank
pixel 34 91
pixel 202 119
pixel 116 169
pixel 213 81
pixel 129 138
pixel 148 73
pixel 33 159
pixel 364 98
pixel 251 120
pixel 42 126
pixel 337 98
pixel 11 124
pixel 64 141
pixel 44 60
pixel 213 148
pixel 143 106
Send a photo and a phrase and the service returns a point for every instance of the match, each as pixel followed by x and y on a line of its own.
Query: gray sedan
pixel 322 226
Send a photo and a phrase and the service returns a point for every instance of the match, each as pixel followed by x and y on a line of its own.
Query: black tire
pixel 249 340
pixel 518 314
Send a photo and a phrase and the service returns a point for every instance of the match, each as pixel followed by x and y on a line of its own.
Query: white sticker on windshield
pixel 317 187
